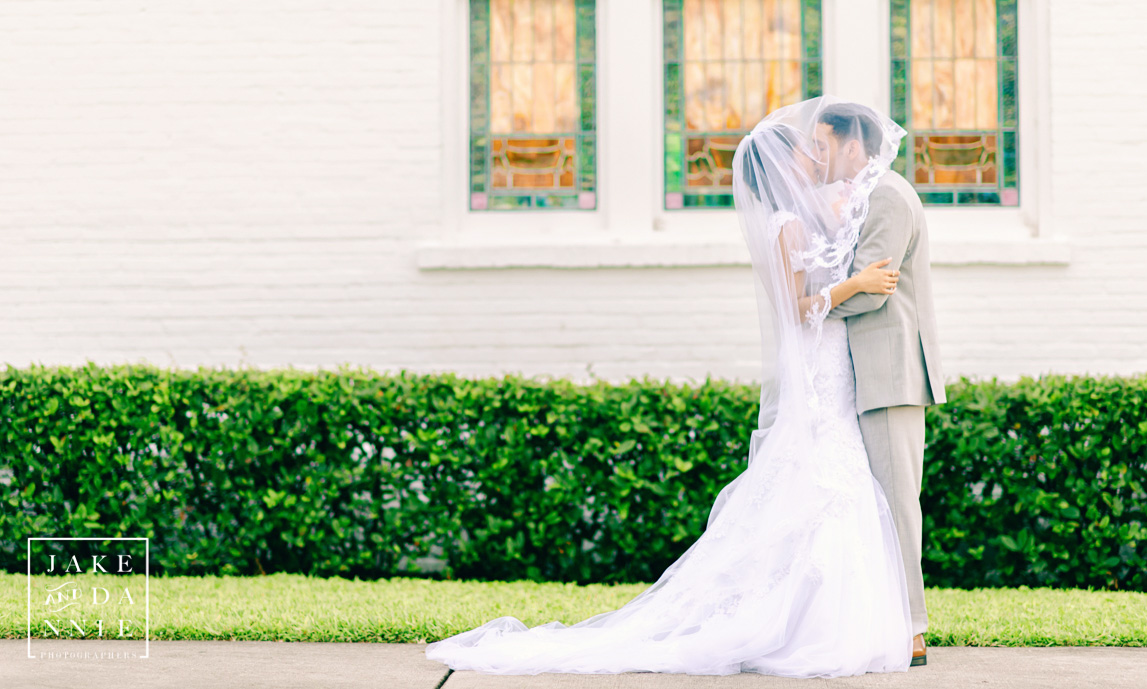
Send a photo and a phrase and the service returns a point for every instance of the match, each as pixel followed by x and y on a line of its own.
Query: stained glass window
pixel 532 104
pixel 728 63
pixel 954 90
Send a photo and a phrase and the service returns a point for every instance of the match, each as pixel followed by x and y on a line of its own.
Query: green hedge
pixel 357 473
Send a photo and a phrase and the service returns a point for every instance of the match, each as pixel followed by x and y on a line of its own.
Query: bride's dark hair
pixel 753 160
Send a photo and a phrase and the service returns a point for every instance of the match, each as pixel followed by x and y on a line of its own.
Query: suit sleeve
pixel 886 233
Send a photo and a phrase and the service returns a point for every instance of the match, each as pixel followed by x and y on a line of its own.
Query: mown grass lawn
pixel 296 608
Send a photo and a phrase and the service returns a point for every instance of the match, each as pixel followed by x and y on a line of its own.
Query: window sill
pixel 1008 252
pixel 613 252
pixel 690 252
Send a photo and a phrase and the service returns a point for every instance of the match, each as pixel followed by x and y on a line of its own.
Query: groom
pixel 892 336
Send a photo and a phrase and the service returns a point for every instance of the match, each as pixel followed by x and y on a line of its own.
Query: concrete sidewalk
pixel 257 664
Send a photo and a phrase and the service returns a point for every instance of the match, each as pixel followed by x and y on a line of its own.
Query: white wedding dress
pixel 798 574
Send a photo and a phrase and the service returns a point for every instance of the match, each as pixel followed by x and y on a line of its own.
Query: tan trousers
pixel 894 439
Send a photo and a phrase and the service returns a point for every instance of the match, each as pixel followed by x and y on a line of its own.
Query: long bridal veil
pixel 798 572
pixel 801 228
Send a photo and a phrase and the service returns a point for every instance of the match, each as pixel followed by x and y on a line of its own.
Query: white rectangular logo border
pixel 146 584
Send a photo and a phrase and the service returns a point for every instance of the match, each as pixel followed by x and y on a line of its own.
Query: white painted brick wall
pixel 222 183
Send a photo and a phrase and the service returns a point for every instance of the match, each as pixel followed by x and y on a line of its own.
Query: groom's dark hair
pixel 854 121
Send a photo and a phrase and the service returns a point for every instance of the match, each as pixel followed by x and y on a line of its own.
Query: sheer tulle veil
pixel 798 572
pixel 801 228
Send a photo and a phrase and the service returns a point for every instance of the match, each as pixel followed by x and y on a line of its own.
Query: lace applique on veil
pixel 796 255
pixel 798 572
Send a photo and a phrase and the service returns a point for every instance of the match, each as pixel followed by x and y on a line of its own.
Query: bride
pixel 799 571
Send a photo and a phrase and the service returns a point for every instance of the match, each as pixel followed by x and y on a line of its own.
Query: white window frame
pixel 630 227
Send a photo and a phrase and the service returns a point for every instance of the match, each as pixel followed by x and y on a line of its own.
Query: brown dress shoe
pixel 919 651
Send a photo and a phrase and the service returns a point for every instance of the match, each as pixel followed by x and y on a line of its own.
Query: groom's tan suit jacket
pixel 892 337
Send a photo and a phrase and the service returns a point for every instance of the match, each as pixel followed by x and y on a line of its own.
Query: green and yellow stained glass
pixel 954 66
pixel 727 64
pixel 533 141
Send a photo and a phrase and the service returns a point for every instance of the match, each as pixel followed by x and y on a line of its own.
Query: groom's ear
pixel 854 149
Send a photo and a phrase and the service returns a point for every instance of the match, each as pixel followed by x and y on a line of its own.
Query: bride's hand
pixel 876 279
